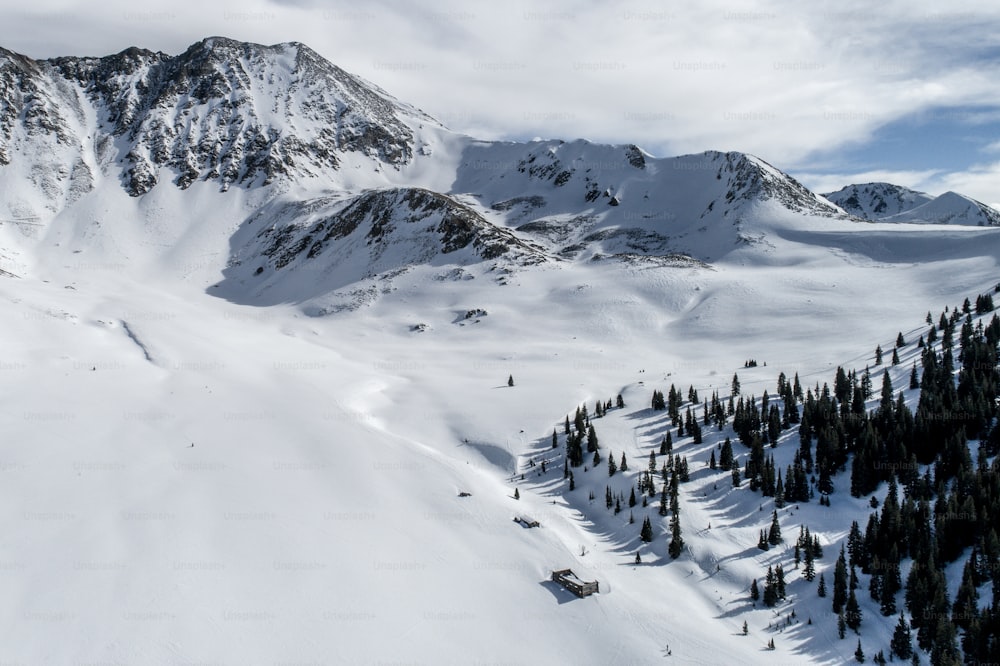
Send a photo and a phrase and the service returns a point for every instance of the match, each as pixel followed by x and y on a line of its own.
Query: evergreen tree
pixel 623 466
pixel 770 596
pixel 852 612
pixel 510 380
pixel 901 645
pixel 612 467
pixel 878 355
pixel 754 591
pixel 676 542
pixel 821 590
pixel 572 482
pixel 592 442
pixel 859 654
pixel 809 572
pixel 631 498
pixel 517 494
pixel 840 583
pixel 646 533
pixel 841 625
pixel 774 532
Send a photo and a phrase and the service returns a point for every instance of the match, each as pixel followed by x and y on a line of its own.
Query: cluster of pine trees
pixel 928 520
pixel 582 439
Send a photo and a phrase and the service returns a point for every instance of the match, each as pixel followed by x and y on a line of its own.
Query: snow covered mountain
pixel 893 203
pixel 874 201
pixel 222 111
pixel 259 322
pixel 950 208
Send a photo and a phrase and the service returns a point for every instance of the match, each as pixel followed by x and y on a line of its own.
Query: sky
pixel 832 92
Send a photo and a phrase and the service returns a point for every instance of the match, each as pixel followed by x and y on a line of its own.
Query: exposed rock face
pixel 223 110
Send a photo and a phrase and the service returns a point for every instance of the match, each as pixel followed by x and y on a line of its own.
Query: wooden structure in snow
pixel 572 582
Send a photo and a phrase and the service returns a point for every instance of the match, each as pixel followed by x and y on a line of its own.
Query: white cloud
pixel 981 182
pixel 831 182
pixel 775 78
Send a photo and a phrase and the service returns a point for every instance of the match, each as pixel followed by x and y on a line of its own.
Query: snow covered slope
pixel 950 208
pixel 258 349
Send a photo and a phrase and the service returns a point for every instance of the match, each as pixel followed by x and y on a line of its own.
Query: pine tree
pixel 517 494
pixel 852 612
pixel 770 596
pixel 901 644
pixel 746 629
pixel 592 441
pixel 572 482
pixel 840 583
pixel 859 654
pixel 612 467
pixel 821 590
pixel 676 542
pixel 711 461
pixel 623 466
pixel 646 533
pixel 754 591
pixel 510 380
pixel 774 532
pixel 841 625
pixel 809 572
pixel 878 355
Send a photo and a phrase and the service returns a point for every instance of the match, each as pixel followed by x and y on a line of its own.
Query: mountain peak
pixel 873 201
pixel 237 113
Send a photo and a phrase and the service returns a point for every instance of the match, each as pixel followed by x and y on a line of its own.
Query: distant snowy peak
pixel 874 201
pixel 950 208
pixel 885 202
pixel 227 111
